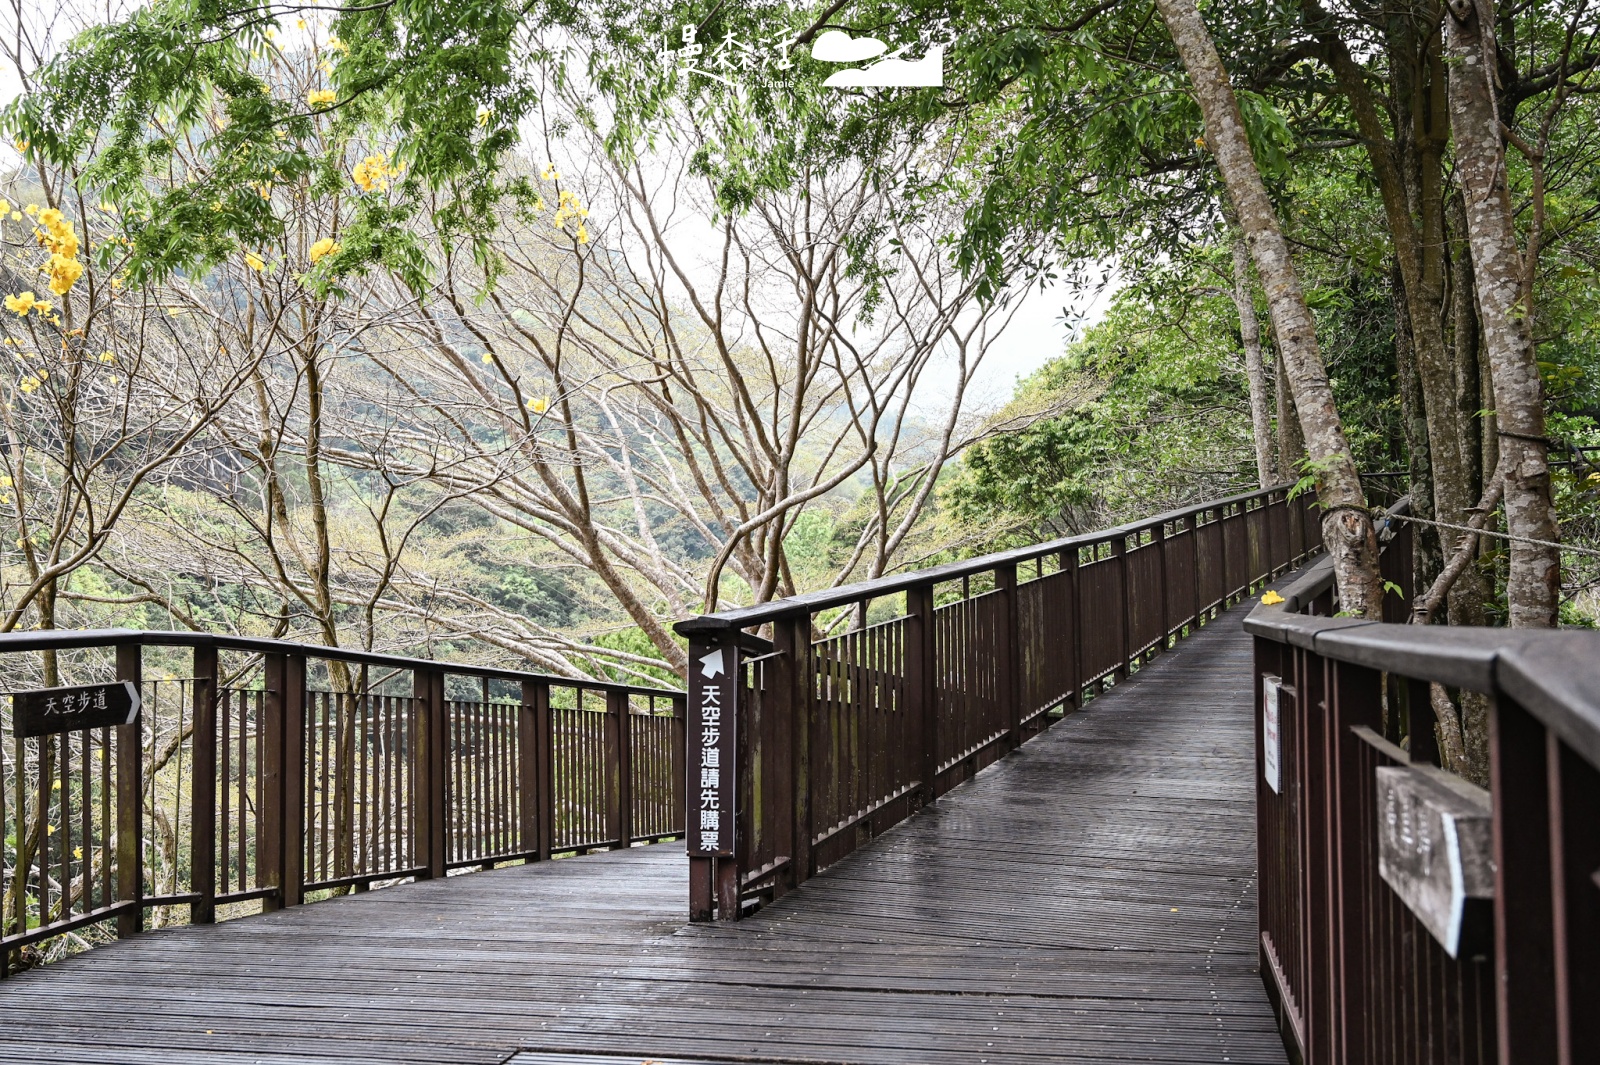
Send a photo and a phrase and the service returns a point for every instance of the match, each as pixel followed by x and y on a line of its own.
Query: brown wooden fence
pixel 281 772
pixel 1387 934
pixel 872 700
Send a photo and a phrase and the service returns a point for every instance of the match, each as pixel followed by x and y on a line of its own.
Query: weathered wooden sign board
pixel 1435 851
pixel 713 677
pixel 52 710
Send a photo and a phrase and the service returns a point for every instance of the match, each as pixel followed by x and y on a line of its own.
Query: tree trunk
pixel 1533 587
pixel 1418 249
pixel 1291 445
pixel 1255 370
pixel 1347 531
pixel 1427 557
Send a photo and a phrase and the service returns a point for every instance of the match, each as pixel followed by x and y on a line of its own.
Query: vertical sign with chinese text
pixel 1270 688
pixel 713 684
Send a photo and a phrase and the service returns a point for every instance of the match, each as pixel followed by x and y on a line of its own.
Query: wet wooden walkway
pixel 1091 897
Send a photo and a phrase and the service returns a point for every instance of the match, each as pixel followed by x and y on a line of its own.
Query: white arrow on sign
pixel 711 664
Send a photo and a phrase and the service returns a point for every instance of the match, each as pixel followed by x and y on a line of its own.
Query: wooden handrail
pixel 805 749
pixel 1375 927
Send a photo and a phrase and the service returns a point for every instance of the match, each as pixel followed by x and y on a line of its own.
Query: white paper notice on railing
pixel 1270 687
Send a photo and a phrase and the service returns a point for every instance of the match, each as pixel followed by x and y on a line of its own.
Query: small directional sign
pixel 713 716
pixel 51 710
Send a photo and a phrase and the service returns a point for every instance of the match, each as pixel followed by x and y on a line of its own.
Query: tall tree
pixel 1347 529
pixel 1534 584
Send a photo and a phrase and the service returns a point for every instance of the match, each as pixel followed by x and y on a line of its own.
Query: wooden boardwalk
pixel 1091 897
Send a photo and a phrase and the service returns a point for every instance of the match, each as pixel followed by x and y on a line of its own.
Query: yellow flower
pixel 539 404
pixel 32 208
pixel 271 33
pixel 318 97
pixel 1271 598
pixel 108 356
pixel 483 115
pixel 50 217
pixel 550 173
pixel 16 216
pixel 373 173
pixel 487 358
pixel 583 233
pixel 325 246
pixel 64 273
pixel 77 852
pixel 5 205
pixel 300 24
pixel 335 44
pixel 20 304
pixel 254 261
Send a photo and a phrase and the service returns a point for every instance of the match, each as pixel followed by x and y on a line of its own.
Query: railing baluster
pixel 1008 655
pixel 203 790
pixel 130 800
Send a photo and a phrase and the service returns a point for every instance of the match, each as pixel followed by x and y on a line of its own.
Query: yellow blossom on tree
pixel 336 45
pixel 254 261
pixel 21 303
pixel 325 246
pixel 64 273
pixel 539 404
pixel 484 114
pixel 319 97
pixel 583 233
pixel 373 173
pixel 32 208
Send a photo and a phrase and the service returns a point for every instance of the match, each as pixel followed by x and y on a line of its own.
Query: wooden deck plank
pixel 1091 897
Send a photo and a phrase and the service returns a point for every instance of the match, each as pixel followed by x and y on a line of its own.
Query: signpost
pixel 52 710
pixel 713 676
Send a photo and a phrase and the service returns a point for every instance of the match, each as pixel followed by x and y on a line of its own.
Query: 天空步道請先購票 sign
pixel 713 680
pixel 52 710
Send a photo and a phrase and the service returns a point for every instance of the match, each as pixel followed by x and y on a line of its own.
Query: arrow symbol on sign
pixel 711 664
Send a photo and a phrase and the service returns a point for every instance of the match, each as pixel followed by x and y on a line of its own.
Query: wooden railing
pixel 1406 915
pixel 282 772
pixel 870 701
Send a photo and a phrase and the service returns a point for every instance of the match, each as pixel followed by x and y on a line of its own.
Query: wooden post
pixel 292 854
pixel 680 761
pixel 1008 653
pixel 715 725
pixel 130 799
pixel 269 822
pixel 1524 909
pixel 619 768
pixel 791 690
pixel 1069 563
pixel 1119 551
pixel 428 811
pixel 544 768
pixel 1160 546
pixel 203 790
pixel 528 806
pixel 922 686
pixel 1194 535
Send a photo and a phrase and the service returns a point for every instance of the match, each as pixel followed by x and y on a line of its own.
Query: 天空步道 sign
pixel 52 710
